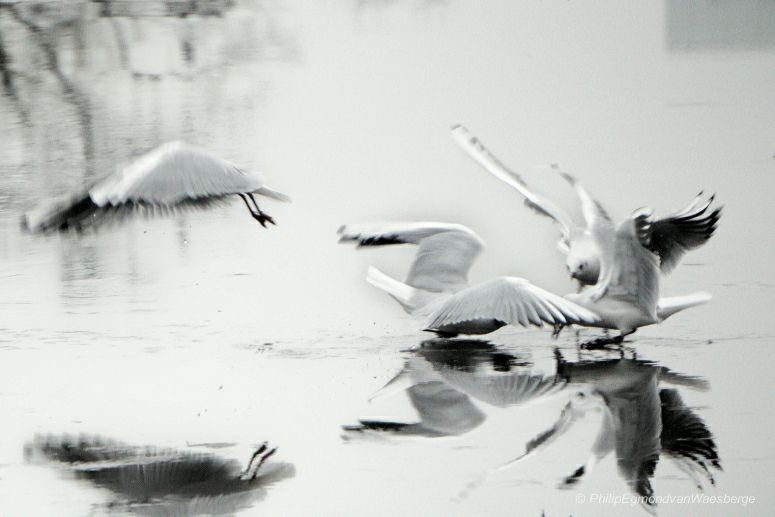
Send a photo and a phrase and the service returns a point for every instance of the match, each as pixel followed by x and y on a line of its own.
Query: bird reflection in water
pixel 443 379
pixel 641 422
pixel 156 481
pixel 447 381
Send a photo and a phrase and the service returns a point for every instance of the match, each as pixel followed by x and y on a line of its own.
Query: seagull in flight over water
pixel 437 288
pixel 669 237
pixel 173 176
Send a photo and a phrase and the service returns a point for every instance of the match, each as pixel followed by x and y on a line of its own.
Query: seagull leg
pixel 262 460
pixel 260 449
pixel 256 212
pixel 556 330
pixel 263 217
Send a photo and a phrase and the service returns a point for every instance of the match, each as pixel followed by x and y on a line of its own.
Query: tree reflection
pixel 81 64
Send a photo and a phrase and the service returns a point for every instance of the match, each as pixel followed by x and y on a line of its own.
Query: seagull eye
pixel 581 266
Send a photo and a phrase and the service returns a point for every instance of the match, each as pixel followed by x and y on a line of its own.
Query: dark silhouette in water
pixel 641 422
pixel 151 478
pixel 444 377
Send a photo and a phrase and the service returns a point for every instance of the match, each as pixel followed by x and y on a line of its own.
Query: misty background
pixel 346 106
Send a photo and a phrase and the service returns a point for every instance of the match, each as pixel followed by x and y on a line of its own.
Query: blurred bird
pixel 158 481
pixel 437 284
pixel 171 177
pixel 669 237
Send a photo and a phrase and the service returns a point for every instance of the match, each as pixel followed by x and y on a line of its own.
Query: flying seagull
pixel 173 176
pixel 669 237
pixel 437 284
pixel 437 288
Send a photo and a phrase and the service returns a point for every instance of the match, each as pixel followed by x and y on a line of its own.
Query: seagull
pixel 173 176
pixel 669 237
pixel 442 384
pixel 626 298
pixel 640 423
pixel 443 411
pixel 437 284
pixel 478 369
pixel 159 479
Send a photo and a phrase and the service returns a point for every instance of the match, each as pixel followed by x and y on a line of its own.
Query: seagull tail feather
pixel 403 294
pixel 267 192
pixel 670 305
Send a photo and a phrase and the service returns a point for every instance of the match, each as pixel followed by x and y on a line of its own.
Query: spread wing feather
pixel 444 257
pixel 503 390
pixel 511 300
pixel 474 148
pixel 634 273
pixel 675 234
pixel 172 173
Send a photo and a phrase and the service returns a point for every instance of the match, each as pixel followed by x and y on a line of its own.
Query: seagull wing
pixel 474 148
pixel 685 437
pixel 675 234
pixel 511 300
pixel 637 414
pixel 175 173
pixel 633 273
pixel 599 224
pixel 503 390
pixel 444 256
pixel 444 410
pixel 581 402
pixel 597 219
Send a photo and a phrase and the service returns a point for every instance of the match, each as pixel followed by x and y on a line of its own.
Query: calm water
pixel 207 329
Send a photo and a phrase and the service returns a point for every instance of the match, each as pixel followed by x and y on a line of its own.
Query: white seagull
pixel 626 298
pixel 175 175
pixel 437 284
pixel 669 237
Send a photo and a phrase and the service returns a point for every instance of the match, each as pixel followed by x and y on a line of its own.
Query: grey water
pixel 205 332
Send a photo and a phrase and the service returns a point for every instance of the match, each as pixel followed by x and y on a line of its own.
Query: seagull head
pixel 584 269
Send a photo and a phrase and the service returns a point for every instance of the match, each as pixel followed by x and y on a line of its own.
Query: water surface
pixel 205 328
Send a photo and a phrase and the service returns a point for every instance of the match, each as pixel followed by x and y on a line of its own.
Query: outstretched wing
pixel 675 234
pixel 685 437
pixel 599 224
pixel 171 174
pixel 511 300
pixel 479 153
pixel 633 273
pixel 445 253
pixel 503 390
pixel 444 410
pixel 597 219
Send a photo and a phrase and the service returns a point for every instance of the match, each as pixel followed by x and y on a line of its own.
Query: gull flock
pixel 616 264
